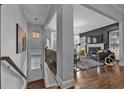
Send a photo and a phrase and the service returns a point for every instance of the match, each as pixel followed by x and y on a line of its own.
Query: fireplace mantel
pixel 101 45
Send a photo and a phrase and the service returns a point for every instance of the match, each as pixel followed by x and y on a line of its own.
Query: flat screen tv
pixel 20 39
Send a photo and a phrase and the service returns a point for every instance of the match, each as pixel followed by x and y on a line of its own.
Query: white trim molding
pixel 25 84
pixel 50 85
pixel 121 63
pixel 65 84
pixel 48 77
pixel 95 45
pixel 50 14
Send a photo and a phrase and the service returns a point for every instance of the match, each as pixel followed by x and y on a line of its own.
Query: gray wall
pixel 10 15
pixel 102 31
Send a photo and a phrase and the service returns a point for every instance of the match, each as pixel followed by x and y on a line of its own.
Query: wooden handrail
pixel 11 62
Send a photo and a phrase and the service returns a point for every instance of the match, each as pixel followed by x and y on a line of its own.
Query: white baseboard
pixel 35 79
pixel 65 84
pixel 121 63
pixel 50 85
pixel 24 85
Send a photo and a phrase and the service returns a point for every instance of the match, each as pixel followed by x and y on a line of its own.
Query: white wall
pixel 10 15
pixel 35 45
pixel 49 79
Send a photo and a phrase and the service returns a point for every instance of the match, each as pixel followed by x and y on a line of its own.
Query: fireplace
pixel 93 48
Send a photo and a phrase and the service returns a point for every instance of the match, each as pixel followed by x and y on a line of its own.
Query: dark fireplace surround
pixel 93 50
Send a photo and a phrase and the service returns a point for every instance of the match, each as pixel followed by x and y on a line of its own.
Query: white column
pixel 121 35
pixel 65 74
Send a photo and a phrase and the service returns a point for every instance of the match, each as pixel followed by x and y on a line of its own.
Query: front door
pixel 35 68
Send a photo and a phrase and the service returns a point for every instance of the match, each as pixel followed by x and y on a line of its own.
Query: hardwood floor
pixel 38 84
pixel 104 77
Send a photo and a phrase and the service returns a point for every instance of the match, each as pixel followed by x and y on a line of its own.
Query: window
pixel 94 40
pixel 114 39
pixel 88 40
pixel 35 62
pixel 53 39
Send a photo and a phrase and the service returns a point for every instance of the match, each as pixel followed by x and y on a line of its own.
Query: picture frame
pixel 20 39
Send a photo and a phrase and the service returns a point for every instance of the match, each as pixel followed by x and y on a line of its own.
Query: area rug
pixel 86 63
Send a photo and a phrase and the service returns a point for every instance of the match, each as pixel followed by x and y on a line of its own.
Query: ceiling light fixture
pixel 35 34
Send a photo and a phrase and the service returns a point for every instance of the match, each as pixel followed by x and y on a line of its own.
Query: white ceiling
pixel 119 7
pixel 39 11
pixel 85 20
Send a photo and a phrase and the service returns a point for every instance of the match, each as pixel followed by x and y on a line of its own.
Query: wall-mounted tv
pixel 20 39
